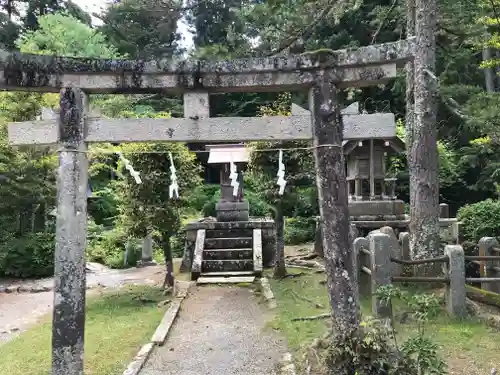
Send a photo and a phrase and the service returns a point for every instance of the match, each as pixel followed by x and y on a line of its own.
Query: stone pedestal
pixel 232 211
pixel 225 229
pixel 147 252
pixel 377 210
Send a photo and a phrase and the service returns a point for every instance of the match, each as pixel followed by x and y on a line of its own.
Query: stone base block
pixel 146 263
pixel 232 211
pixel 377 208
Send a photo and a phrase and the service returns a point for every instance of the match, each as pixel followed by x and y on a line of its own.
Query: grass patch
pixel 469 347
pixel 118 323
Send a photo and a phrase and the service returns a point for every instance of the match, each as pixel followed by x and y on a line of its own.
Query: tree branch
pixel 290 41
pixel 386 17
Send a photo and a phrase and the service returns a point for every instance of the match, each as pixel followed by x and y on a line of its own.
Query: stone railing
pixel 376 269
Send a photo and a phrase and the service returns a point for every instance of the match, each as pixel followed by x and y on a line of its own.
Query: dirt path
pixel 19 311
pixel 219 331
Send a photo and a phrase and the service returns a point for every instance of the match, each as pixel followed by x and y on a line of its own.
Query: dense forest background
pixel 122 212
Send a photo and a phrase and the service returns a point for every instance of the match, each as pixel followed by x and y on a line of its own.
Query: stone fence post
pixel 363 260
pixel 489 268
pixel 455 290
pixel 444 211
pixel 380 253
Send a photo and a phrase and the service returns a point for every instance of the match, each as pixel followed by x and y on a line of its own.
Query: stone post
pixel 404 242
pixel 485 249
pixel 380 249
pixel 455 290
pixel 364 260
pixel 444 211
pixel 68 321
pixel 147 251
pixel 187 256
pixel 333 205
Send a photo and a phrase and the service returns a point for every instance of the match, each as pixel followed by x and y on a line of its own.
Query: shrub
pixel 299 230
pixel 202 194
pixel 29 256
pixel 481 219
pixel 108 248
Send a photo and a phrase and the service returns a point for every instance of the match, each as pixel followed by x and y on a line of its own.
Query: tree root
pixel 313 317
pixel 316 304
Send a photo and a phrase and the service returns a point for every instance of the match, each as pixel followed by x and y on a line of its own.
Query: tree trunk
pixel 489 73
pixel 169 262
pixel 423 161
pixel 279 256
pixel 410 78
pixel 333 206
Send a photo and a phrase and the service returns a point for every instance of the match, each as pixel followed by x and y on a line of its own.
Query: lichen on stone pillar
pixel 71 232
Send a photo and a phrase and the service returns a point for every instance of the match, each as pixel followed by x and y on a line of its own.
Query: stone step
pixel 227 265
pixel 227 274
pixel 229 233
pixel 228 254
pixel 225 280
pixel 228 243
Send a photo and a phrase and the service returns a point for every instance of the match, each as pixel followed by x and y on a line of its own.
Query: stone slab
pixel 198 254
pixel 139 360
pixel 228 274
pixel 267 292
pixel 161 332
pixel 376 208
pixel 257 251
pixel 228 243
pixel 227 265
pixel 253 223
pixel 227 254
pixel 225 280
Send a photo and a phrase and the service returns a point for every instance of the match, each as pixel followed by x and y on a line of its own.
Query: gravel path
pixel 219 331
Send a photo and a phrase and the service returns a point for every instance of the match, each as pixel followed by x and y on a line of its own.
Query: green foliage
pixel 29 256
pixel 374 350
pixel 299 230
pixel 64 35
pixel 108 248
pixel 480 219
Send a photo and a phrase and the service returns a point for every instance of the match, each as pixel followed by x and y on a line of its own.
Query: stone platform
pixel 237 248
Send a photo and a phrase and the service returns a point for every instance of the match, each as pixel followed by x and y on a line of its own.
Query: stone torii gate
pixel 322 72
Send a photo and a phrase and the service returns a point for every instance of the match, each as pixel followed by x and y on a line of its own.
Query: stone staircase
pixel 227 255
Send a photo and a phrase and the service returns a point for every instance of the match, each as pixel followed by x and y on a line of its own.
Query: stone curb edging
pixel 16 289
pixel 160 335
pixel 267 292
pixel 286 366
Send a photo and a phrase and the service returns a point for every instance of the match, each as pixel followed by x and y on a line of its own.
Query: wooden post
pixel 68 322
pixel 333 206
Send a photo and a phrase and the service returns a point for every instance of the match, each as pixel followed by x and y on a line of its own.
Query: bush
pixel 481 219
pixel 201 195
pixel 29 256
pixel 299 230
pixel 177 243
pixel 108 248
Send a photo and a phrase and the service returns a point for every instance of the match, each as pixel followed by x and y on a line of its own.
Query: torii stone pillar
pixel 68 321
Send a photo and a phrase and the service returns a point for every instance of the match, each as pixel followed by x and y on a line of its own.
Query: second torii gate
pixel 323 73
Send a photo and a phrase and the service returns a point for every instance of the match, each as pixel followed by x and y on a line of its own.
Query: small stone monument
pixel 230 207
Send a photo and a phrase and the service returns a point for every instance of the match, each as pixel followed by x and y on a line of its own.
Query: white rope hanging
pixel 174 186
pixel 281 174
pixel 129 168
pixel 233 176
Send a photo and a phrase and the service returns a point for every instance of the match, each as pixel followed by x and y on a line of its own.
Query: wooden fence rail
pixel 375 254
